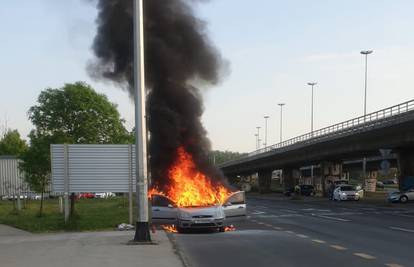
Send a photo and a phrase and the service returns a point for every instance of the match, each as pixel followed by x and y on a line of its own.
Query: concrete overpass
pixel 391 128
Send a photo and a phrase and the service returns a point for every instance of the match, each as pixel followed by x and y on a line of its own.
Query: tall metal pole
pixel 257 141
pixel 142 233
pixel 312 84
pixel 366 53
pixel 265 143
pixel 364 160
pixel 281 121
pixel 258 137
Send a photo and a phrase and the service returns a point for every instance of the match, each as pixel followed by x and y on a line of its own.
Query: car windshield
pixel 347 188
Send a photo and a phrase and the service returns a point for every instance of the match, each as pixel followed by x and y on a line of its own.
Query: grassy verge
pixel 91 215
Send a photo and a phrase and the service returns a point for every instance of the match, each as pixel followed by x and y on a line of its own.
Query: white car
pixel 104 195
pixel 164 211
pixel 346 192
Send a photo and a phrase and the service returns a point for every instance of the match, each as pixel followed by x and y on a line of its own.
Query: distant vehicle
pixel 305 190
pixel 401 196
pixel 340 182
pixel 346 192
pixel 390 181
pixel 86 195
pixel 104 195
pixel 164 211
pixel 380 184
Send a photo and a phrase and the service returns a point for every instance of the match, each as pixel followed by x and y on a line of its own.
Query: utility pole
pixel 266 118
pixel 257 141
pixel 142 229
pixel 258 137
pixel 281 120
pixel 366 53
pixel 312 84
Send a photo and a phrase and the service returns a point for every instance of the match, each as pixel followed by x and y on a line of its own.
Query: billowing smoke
pixel 178 57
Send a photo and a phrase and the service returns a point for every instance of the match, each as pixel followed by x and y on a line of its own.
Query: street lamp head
pixel 281 104
pixel 266 117
pixel 366 52
pixel 312 83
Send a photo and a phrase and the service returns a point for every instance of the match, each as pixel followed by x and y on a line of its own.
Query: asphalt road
pixel 282 232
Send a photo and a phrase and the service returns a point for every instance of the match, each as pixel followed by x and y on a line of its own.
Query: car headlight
pixel 343 194
pixel 185 215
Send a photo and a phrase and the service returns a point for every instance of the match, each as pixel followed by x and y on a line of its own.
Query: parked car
pixel 380 184
pixel 305 190
pixel 346 192
pixel 104 195
pixel 390 181
pixel 401 196
pixel 164 211
pixel 86 195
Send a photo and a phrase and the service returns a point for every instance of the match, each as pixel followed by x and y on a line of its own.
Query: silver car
pixel 164 211
pixel 401 196
pixel 346 192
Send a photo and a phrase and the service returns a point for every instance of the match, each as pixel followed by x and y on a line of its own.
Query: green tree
pixel 12 144
pixel 218 157
pixel 72 114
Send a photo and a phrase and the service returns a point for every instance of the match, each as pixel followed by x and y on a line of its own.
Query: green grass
pixel 91 215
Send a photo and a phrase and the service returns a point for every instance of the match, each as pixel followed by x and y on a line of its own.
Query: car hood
pixel 349 192
pixel 213 211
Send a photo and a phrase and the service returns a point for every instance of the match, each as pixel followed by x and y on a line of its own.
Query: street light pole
pixel 281 120
pixel 366 53
pixel 142 233
pixel 312 84
pixel 266 118
pixel 258 137
pixel 257 141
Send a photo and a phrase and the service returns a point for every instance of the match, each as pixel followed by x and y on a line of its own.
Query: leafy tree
pixel 12 144
pixel 219 157
pixel 72 114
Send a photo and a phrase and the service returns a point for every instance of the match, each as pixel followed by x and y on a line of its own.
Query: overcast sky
pixel 274 48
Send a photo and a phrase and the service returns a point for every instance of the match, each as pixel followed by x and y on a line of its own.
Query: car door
pixel 163 210
pixel 235 207
pixel 410 194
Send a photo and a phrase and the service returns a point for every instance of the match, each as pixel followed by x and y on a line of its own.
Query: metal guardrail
pixel 358 124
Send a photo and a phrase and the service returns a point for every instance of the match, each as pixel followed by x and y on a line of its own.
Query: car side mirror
pixel 170 206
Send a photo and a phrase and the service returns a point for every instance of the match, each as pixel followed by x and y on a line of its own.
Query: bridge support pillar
pixel 406 168
pixel 265 178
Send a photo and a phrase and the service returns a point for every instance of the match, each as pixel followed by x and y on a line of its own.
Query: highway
pixel 309 232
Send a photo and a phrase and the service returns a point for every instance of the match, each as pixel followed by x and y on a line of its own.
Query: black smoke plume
pixel 178 57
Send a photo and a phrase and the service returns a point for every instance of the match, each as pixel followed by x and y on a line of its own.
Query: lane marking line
pixel 302 236
pixel 333 218
pixel 260 223
pixel 393 265
pixel 268 225
pixel 289 232
pixel 337 247
pixel 401 229
pixel 277 228
pixel 318 241
pixel 365 256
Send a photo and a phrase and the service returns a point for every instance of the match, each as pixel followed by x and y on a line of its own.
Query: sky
pixel 274 49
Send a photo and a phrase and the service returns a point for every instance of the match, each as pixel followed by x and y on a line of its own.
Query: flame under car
pixel 164 211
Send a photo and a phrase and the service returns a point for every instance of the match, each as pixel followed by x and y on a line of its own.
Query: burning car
pixel 165 211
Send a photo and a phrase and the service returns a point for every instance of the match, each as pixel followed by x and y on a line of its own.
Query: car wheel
pixel 403 199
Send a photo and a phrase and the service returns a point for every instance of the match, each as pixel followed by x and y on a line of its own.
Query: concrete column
pixel 406 168
pixel 290 175
pixel 265 178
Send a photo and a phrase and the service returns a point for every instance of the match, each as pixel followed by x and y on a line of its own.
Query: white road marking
pixel 260 223
pixel 302 236
pixel 404 215
pixel 268 225
pixel 402 229
pixel 393 265
pixel 333 218
pixel 338 247
pixel 257 212
pixel 365 256
pixel 318 241
pixel 289 232
pixel 290 211
pixel 277 228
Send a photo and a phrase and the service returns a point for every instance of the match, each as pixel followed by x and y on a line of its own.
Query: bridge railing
pixel 357 124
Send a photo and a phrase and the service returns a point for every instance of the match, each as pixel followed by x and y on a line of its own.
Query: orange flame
pixel 230 228
pixel 170 228
pixel 189 187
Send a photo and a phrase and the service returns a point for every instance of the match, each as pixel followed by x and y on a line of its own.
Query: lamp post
pixel 312 84
pixel 266 118
pixel 257 141
pixel 366 53
pixel 142 233
pixel 258 137
pixel 281 120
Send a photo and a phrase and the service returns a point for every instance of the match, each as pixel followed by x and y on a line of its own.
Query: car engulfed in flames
pixel 193 200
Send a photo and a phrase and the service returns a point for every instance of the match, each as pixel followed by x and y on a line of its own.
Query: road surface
pixel 283 232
